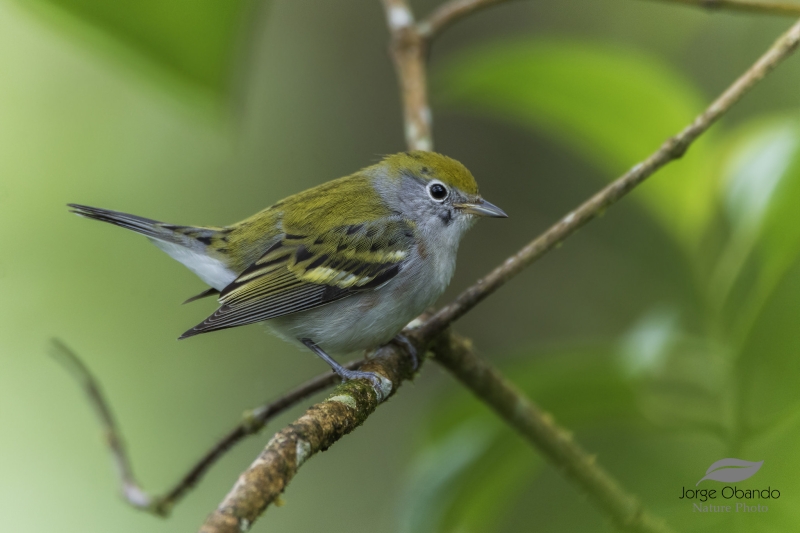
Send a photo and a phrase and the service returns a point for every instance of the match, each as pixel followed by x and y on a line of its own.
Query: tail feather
pixel 205 294
pixel 195 247
pixel 145 226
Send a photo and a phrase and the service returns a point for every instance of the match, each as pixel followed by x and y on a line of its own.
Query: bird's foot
pixel 373 377
pixel 403 341
pixel 382 386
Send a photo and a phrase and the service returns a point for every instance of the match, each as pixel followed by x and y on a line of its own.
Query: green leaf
pixel 780 233
pixel 484 494
pixel 761 188
pixel 761 153
pixel 435 471
pixel 769 363
pixel 194 41
pixel 611 105
pixel 647 344
pixel 683 380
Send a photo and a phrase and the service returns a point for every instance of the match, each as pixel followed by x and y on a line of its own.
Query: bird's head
pixel 433 190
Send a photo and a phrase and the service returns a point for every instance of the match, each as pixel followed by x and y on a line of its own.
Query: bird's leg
pixel 346 375
pixel 403 342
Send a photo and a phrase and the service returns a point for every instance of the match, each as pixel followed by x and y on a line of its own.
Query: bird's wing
pixel 302 271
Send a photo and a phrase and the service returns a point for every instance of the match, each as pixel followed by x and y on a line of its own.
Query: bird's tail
pixel 198 248
pixel 192 237
pixel 152 228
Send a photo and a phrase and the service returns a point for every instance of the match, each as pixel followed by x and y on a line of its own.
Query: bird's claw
pixel 381 385
pixel 403 341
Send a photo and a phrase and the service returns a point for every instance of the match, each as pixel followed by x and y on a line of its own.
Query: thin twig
pixel 253 422
pixel 351 403
pixel 129 488
pixel 673 148
pixel 408 49
pixel 770 8
pixel 450 12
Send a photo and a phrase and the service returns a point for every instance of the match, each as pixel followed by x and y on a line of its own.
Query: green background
pixel 663 334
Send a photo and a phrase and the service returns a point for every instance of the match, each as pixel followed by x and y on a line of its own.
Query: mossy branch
pixel 346 408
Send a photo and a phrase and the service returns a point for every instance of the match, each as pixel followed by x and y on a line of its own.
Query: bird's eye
pixel 437 191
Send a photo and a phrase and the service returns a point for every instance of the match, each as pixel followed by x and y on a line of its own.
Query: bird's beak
pixel 482 208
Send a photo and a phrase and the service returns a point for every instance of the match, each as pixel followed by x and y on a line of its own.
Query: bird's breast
pixel 371 318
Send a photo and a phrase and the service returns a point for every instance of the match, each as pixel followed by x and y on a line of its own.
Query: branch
pixel 319 428
pixel 449 13
pixel 410 43
pixel 129 488
pixel 408 49
pixel 673 148
pixel 352 403
pixel 253 422
pixel 748 6
pixel 454 10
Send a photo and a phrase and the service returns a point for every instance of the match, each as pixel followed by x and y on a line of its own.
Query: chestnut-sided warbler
pixel 339 267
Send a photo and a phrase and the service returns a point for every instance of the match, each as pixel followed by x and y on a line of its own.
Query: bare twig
pixel 749 6
pixel 408 49
pixel 450 12
pixel 410 43
pixel 253 421
pixel 129 488
pixel 673 148
pixel 351 403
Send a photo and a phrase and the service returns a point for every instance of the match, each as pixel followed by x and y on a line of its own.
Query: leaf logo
pixel 731 470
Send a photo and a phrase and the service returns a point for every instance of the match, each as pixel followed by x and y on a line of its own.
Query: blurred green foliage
pixel 473 469
pixel 610 105
pixel 724 371
pixel 692 287
pixel 198 41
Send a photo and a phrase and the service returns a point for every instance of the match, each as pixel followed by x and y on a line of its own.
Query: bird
pixel 340 267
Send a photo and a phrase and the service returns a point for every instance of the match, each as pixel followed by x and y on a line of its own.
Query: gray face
pixel 442 201
pixel 432 204
pixel 441 212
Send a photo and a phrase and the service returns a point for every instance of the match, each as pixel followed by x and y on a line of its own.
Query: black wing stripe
pixel 275 302
pixel 307 297
pixel 225 317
